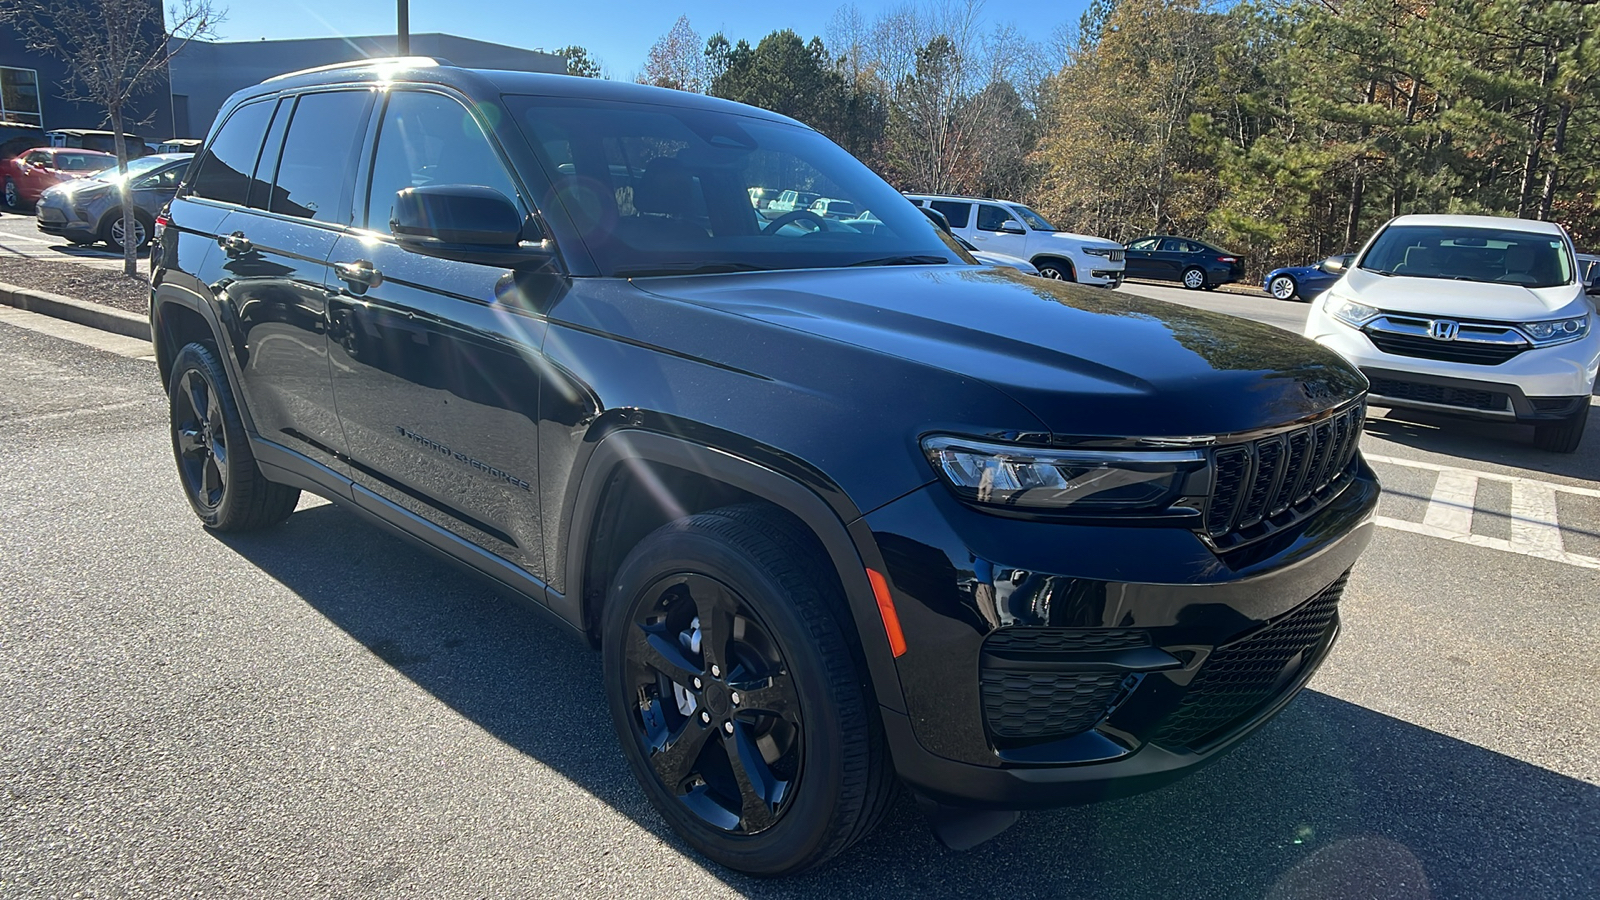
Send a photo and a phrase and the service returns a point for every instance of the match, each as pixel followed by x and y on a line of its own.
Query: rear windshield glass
pixel 1466 253
pixel 661 190
pixel 83 162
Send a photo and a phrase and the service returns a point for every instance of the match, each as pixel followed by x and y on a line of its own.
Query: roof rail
pixel 406 61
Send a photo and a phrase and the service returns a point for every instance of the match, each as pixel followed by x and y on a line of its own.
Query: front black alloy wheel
pixel 218 472
pixel 736 693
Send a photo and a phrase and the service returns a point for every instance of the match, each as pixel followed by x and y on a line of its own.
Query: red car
pixel 28 174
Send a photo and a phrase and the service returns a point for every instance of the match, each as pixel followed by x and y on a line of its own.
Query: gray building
pixel 205 74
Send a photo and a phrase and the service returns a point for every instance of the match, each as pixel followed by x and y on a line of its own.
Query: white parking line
pixel 1535 530
pixel 1453 498
pixel 26 237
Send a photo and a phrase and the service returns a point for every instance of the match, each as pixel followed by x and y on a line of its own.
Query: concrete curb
pixel 91 314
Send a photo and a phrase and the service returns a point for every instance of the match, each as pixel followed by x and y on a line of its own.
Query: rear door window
pixel 224 167
pixel 959 214
pixel 313 176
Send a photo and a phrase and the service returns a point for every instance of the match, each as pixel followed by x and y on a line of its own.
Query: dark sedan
pixel 1193 263
pixel 1305 282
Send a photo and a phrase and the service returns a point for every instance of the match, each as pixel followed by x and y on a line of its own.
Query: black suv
pixel 840 509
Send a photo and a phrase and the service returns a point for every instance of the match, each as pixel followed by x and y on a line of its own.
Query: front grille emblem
pixel 1443 329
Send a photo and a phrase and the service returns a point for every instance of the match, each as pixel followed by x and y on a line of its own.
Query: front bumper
pixel 1029 689
pixel 1526 380
pixel 62 220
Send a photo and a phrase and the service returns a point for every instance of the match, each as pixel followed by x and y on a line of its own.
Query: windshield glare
pixel 1034 220
pixel 1495 255
pixel 135 167
pixel 660 190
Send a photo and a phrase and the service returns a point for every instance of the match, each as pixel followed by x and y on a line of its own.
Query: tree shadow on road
pixel 1331 800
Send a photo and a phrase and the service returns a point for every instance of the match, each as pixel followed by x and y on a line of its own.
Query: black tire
pixel 1055 270
pixel 111 229
pixel 226 489
pixel 1563 436
pixel 12 197
pixel 1283 287
pixel 1194 278
pixel 822 740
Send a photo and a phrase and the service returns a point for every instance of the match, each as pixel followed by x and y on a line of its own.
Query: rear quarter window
pixel 959 214
pixel 223 171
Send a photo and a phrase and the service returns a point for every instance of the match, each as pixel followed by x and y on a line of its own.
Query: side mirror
pixel 1334 265
pixel 937 217
pixel 464 222
pixel 1012 226
pixel 1593 289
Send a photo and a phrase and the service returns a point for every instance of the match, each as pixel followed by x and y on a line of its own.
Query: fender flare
pixel 850 557
pixel 167 294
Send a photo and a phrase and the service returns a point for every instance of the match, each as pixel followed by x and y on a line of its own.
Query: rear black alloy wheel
pixel 218 472
pixel 13 196
pixel 736 694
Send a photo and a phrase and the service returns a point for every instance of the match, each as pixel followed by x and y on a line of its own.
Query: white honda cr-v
pixel 1470 315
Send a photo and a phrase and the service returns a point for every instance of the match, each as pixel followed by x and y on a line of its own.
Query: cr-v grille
pixel 1268 483
pixel 1240 678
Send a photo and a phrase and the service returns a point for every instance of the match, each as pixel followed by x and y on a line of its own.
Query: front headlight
pixel 1556 331
pixel 1077 480
pixel 1100 251
pixel 1348 311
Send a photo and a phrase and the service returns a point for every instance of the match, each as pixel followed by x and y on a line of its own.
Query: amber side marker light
pixel 891 619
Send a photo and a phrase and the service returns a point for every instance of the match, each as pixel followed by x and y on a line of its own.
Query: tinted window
pixel 959 214
pixel 1173 245
pixel 38 158
pixel 165 180
pixel 1034 220
pixel 1143 244
pixel 990 218
pixel 430 139
pixel 83 162
pixel 226 164
pixel 314 167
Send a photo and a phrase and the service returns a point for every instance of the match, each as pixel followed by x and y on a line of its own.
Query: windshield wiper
pixel 689 269
pixel 904 261
pixel 1384 272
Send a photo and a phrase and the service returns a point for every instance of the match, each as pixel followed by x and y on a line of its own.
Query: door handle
pixel 236 244
pixel 359 273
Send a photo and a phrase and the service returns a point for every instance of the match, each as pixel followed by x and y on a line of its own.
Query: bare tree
pixel 118 51
pixel 677 60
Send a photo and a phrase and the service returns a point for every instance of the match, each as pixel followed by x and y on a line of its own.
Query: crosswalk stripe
pixel 1533 516
pixel 1487 476
pixel 1450 509
pixel 1478 540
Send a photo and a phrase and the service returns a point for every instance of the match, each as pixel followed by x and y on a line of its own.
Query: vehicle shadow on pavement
pixel 1492 442
pixel 1331 800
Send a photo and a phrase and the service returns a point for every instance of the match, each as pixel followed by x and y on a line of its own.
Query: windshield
pixel 1467 253
pixel 83 162
pixel 1034 220
pixel 135 167
pixel 661 190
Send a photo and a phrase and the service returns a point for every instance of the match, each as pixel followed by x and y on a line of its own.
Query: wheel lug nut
pixel 728 727
pixel 697 684
pixel 705 717
pixel 715 672
pixel 735 698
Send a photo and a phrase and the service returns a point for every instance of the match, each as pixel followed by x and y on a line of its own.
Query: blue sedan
pixel 1306 282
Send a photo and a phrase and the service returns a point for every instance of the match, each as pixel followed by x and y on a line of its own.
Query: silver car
pixel 90 209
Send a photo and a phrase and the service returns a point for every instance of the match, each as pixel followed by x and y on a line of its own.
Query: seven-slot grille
pixel 1241 677
pixel 1265 484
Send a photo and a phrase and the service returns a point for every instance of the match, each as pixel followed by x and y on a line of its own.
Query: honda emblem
pixel 1443 329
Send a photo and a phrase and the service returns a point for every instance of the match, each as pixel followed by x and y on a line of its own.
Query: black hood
pixel 1088 362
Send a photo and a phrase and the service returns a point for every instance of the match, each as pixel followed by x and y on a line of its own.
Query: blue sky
pixel 618 32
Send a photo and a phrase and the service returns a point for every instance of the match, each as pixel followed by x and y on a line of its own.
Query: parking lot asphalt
pixel 319 710
pixel 20 236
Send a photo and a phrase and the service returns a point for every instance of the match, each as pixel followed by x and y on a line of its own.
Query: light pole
pixel 403 29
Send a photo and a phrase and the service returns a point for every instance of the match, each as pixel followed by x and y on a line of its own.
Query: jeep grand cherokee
pixel 840 509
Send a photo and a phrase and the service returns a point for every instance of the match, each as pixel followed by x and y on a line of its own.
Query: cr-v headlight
pixel 1556 331
pixel 1085 481
pixel 1348 311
